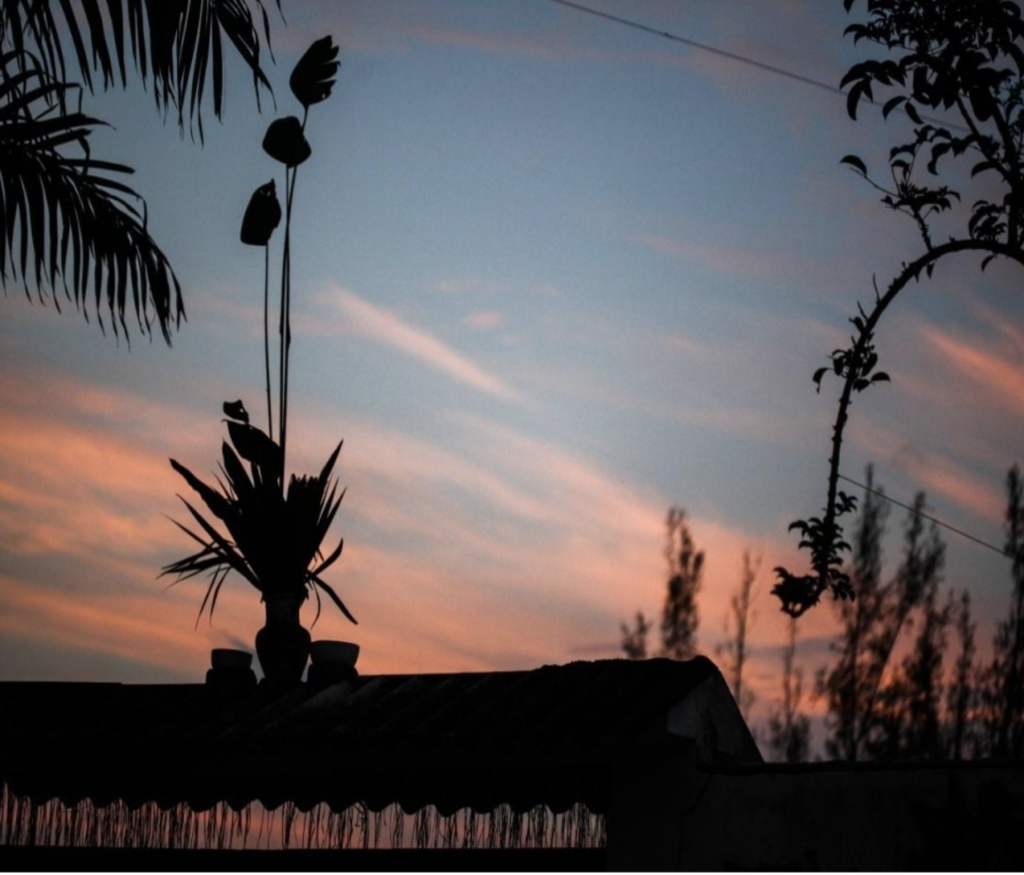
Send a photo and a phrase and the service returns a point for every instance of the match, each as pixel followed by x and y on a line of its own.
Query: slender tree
pixel 845 685
pixel 634 639
pixel 922 678
pixel 961 692
pixel 679 616
pixel 873 706
pixel 1006 673
pixel 737 627
pixel 884 707
pixel 789 731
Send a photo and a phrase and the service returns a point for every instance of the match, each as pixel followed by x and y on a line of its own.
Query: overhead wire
pixel 926 516
pixel 731 56
pixel 815 83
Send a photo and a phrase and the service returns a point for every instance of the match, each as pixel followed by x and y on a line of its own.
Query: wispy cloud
pixel 500 550
pixel 383 326
pixel 934 471
pixel 484 320
pixel 548 46
pixel 809 275
pixel 1000 374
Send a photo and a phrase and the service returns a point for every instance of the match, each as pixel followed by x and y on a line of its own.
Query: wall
pixel 841 817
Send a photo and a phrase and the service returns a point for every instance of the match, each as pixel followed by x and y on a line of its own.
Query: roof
pixel 523 737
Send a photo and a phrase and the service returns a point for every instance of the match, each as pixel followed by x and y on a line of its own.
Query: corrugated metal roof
pixel 447 739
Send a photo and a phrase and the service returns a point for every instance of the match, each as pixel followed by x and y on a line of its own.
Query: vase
pixel 282 645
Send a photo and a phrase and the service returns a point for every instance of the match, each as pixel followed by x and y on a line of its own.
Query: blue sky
pixel 552 276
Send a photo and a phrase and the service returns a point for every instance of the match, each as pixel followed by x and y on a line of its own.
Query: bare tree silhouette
pixel 1005 678
pixel 738 623
pixel 961 694
pixel 679 615
pixel 634 640
pixel 789 731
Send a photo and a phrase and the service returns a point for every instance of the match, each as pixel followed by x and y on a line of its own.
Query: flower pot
pixel 334 652
pixel 230 671
pixel 333 661
pixel 282 645
pixel 221 658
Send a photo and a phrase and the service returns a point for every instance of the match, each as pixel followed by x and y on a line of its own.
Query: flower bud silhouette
pixel 313 77
pixel 286 143
pixel 262 216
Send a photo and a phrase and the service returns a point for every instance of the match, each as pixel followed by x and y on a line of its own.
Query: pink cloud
pixel 834 274
pixel 152 629
pixel 383 326
pixel 1000 373
pixel 934 471
pixel 484 320
pixel 561 551
pixel 549 45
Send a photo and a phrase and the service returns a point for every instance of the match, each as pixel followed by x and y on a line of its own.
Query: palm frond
pixel 84 228
pixel 176 46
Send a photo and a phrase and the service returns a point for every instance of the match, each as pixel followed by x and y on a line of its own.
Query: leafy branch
pixel 964 59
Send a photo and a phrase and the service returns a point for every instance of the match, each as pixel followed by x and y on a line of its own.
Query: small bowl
pixel 224 658
pixel 334 652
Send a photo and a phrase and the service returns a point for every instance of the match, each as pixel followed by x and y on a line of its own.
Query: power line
pixel 937 522
pixel 732 56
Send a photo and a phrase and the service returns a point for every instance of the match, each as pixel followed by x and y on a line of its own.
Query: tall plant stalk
pixel 285 328
pixel 276 525
pixel 266 336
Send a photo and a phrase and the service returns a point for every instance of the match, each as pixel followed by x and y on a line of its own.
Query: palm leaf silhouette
pixel 176 46
pixel 70 223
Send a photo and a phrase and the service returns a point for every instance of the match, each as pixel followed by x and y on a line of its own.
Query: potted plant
pixel 276 525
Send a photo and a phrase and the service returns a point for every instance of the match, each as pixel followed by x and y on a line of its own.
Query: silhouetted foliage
pixel 909 706
pixel 1004 692
pixel 679 616
pixel 737 626
pixel 922 678
pixel 274 537
pixel 275 534
pixel 845 686
pixel 634 640
pixel 961 694
pixel 789 731
pixel 312 80
pixel 888 706
pixel 962 57
pixel 83 226
pixel 876 710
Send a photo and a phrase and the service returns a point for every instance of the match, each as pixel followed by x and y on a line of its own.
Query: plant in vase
pixel 274 534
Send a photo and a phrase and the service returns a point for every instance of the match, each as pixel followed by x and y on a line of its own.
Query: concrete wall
pixel 833 817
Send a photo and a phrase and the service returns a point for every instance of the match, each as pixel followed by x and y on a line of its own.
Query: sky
pixel 551 277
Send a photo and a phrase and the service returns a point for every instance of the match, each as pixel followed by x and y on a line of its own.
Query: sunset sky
pixel 552 276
